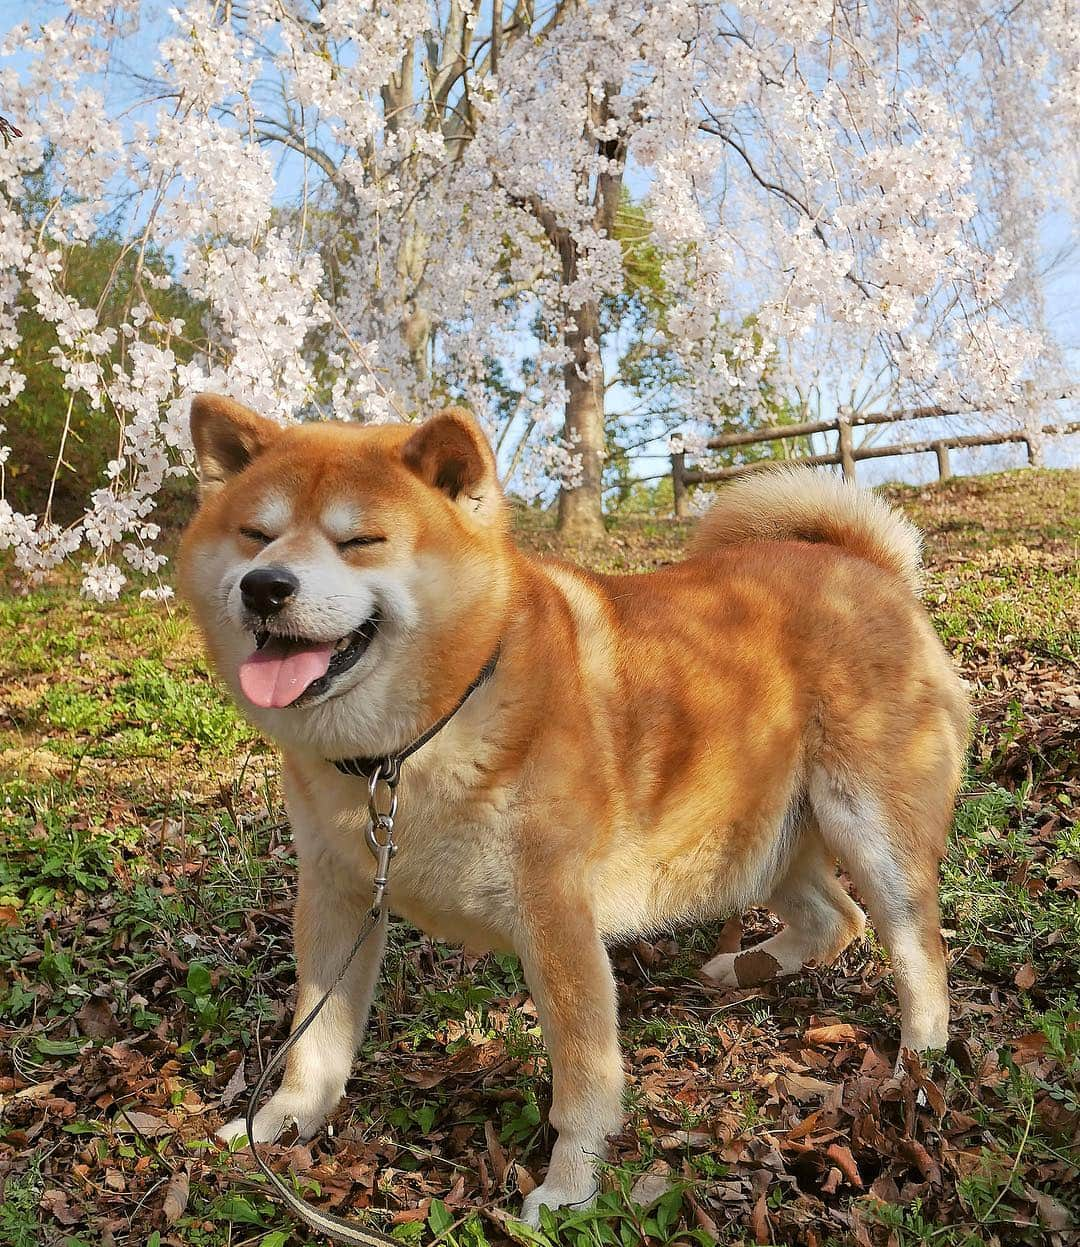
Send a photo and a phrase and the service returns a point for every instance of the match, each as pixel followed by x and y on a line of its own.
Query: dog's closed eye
pixel 354 543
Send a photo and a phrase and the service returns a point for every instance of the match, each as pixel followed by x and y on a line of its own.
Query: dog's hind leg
pixel 821 920
pixel 891 846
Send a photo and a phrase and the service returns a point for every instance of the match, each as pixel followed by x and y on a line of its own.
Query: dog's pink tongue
pixel 277 674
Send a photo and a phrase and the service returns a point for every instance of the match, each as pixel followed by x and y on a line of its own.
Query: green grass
pixel 145 888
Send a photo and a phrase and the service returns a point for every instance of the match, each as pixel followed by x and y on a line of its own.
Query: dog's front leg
pixel 326 923
pixel 569 974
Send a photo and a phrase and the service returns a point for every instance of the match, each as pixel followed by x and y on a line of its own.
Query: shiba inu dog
pixel 648 750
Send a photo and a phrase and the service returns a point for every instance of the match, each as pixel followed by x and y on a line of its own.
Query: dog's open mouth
pixel 285 669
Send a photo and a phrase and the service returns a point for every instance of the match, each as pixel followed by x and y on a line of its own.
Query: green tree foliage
pixel 110 277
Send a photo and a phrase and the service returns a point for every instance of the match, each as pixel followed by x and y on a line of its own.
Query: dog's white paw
pixel 747 968
pixel 721 970
pixel 276 1116
pixel 556 1195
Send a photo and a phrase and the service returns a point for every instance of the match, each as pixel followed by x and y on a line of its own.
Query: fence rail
pixel 846 453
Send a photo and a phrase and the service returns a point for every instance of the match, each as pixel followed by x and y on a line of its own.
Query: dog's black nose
pixel 266 589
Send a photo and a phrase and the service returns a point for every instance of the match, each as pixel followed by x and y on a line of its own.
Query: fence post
pixel 678 484
pixel 844 445
pixel 943 470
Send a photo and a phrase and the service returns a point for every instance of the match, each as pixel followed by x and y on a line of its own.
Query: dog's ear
pixel 450 453
pixel 227 437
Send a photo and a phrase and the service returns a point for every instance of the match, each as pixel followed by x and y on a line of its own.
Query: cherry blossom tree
pixel 377 207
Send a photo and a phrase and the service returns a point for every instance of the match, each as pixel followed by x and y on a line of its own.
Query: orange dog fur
pixel 651 749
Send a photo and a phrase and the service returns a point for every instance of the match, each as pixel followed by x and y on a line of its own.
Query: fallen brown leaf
pixel 914 1151
pixel 495 1150
pixel 176 1197
pixel 702 1218
pixel 730 938
pixel 803 1086
pixel 407 1215
pixel 831 1035
pixel 652 1184
pixel 885 1189
pixel 1025 976
pixel 832 1181
pixel 130 1121
pixel 235 1086
pixel 684 1139
pixel 56 1202
pixel 522 1178
pixel 97 1020
pixel 759 1221
pixel 841 1157
pixel 1052 1214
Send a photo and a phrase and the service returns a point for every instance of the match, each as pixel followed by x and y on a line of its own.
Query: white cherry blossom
pixel 377 208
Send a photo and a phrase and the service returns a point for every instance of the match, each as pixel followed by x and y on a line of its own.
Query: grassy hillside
pixel 145 888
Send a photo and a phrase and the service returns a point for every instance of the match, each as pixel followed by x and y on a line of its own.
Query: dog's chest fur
pixel 453 874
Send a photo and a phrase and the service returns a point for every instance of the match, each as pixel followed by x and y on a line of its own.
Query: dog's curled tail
pixel 794 503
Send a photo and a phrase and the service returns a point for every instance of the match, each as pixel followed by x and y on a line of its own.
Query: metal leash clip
pixel 380 832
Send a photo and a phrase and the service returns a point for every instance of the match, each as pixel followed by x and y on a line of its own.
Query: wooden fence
pixel 846 453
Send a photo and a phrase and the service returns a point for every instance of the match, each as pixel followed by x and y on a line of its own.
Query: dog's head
pixel 350 581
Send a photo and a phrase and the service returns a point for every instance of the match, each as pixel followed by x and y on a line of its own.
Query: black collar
pixel 390 764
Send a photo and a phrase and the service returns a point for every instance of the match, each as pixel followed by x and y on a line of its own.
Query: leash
pixel 380 842
pixel 327 1223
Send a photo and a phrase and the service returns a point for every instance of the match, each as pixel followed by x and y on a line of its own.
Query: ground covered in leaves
pixel 146 972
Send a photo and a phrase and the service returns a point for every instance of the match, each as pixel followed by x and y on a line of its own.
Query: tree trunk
pixel 579 507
